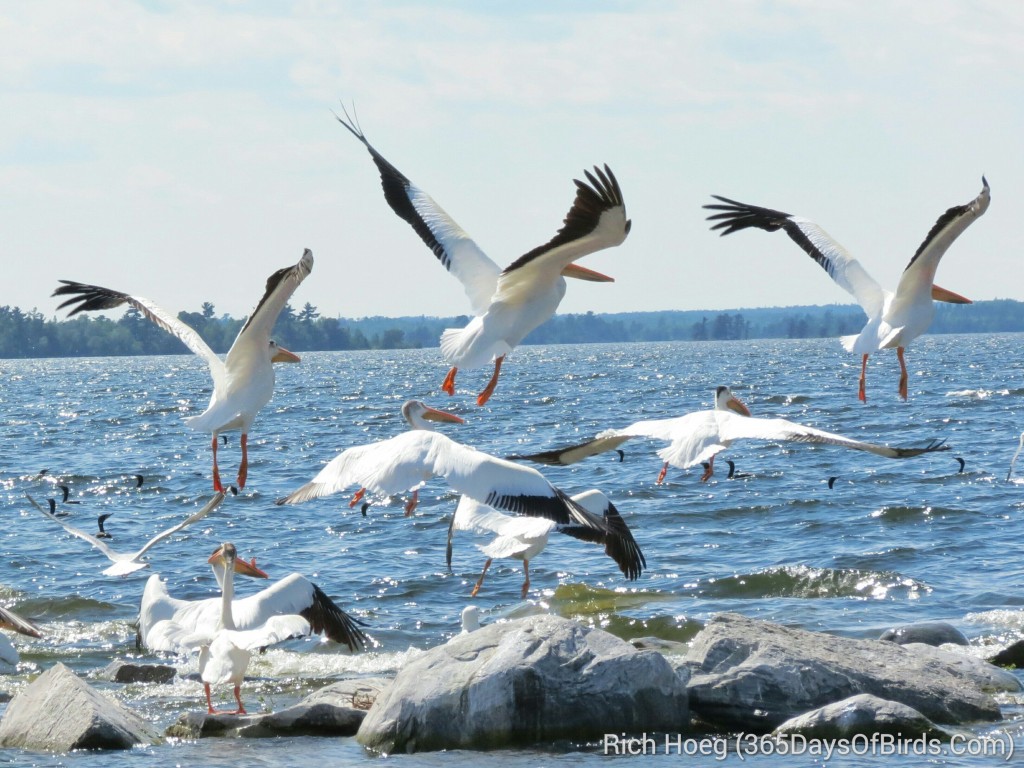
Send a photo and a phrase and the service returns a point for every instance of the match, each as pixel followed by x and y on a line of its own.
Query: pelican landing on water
pixel 894 319
pixel 699 436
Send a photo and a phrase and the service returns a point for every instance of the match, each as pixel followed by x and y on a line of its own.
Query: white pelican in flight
pixel 128 562
pixel 418 415
pixel 894 319
pixel 10 620
pixel 165 620
pixel 410 459
pixel 698 437
pixel 523 538
pixel 224 649
pixel 244 382
pixel 508 303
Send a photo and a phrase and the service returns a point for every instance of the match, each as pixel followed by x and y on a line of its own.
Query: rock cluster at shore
pixel 545 679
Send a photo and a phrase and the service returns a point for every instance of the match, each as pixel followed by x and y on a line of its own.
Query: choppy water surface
pixel 891 542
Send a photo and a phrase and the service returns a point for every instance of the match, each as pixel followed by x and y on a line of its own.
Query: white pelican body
pixel 699 436
pixel 894 319
pixel 410 459
pixel 129 562
pixel 164 620
pixel 508 303
pixel 419 416
pixel 10 620
pixel 244 382
pixel 523 538
pixel 225 650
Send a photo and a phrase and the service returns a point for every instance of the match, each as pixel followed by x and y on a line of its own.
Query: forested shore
pixel 26 334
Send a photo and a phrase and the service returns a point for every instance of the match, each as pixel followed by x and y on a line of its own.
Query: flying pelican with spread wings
pixel 699 436
pixel 507 303
pixel 244 381
pixel 894 319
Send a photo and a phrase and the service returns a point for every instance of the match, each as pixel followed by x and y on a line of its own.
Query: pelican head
pixel 227 556
pixel 724 398
pixel 281 355
pixel 418 414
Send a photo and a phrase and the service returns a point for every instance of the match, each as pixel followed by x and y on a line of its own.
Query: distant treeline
pixel 29 334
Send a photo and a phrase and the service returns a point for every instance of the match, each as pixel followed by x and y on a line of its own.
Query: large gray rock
pixel 985 675
pixel 755 675
pixel 540 678
pixel 334 710
pixel 861 714
pixel 59 712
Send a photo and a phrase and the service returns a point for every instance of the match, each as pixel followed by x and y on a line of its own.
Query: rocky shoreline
pixel 545 680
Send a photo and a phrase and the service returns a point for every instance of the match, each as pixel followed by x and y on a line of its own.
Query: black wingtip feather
pixel 89 298
pixel 324 616
pixel 601 194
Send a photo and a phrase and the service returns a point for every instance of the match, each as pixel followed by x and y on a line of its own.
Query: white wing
pixel 10 620
pixel 211 505
pixel 596 220
pixel 917 279
pixel 471 515
pixel 252 340
pixel 125 563
pixel 845 270
pixel 409 459
pixel 735 427
pixel 275 630
pixel 447 240
pixel 87 298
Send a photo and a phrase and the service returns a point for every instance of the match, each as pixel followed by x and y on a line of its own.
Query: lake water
pixel 891 542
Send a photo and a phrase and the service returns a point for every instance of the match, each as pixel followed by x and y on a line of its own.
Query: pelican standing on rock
pixel 224 650
pixel 699 436
pixel 244 382
pixel 508 303
pixel 894 319
pixel 164 620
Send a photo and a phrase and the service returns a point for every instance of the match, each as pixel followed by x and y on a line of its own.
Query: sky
pixel 183 151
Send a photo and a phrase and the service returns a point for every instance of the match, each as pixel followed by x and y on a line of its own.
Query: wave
pixel 803 581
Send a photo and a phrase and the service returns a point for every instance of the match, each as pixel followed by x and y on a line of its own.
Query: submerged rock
pixel 927 632
pixel 755 675
pixel 59 712
pixel 121 671
pixel 334 710
pixel 541 678
pixel 1011 656
pixel 861 714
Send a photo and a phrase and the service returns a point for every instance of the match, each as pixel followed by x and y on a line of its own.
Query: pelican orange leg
pixel 358 496
pixel 661 475
pixel 862 394
pixel 709 471
pixel 243 468
pixel 216 472
pixel 903 372
pixel 480 581
pixel 449 382
pixel 411 504
pixel 526 577
pixel 484 396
